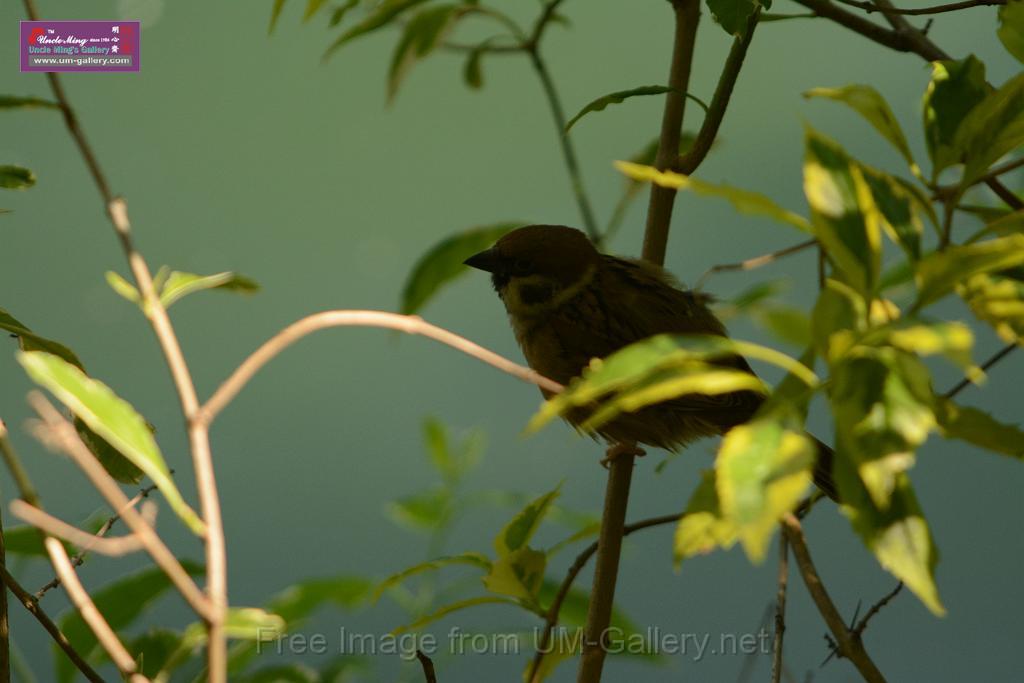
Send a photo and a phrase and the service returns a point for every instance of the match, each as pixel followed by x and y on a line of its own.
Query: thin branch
pixel 543 21
pixel 947 191
pixel 551 617
pixel 29 602
pixel 858 24
pixel 870 7
pixel 5 624
pixel 876 608
pixel 90 614
pixel 756 261
pixel 409 324
pixel 780 608
pixel 848 643
pixel 428 667
pixel 71 443
pixel 13 462
pixel 689 162
pixel 995 358
pixel 57 527
pixel 78 559
pixel 199 442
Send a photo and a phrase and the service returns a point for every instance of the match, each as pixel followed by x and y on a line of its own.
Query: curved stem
pixel 870 7
pixel 410 324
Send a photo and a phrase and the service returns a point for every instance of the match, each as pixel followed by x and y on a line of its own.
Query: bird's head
pixel 538 267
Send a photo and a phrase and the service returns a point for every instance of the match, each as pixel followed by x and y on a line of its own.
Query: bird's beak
pixel 486 260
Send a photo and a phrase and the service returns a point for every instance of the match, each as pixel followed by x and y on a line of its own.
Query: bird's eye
pixel 521 267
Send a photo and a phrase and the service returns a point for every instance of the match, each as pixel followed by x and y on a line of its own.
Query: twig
pixel 689 162
pixel 870 7
pixel 83 539
pixel 659 209
pixel 543 21
pixel 78 559
pixel 13 462
pixel 90 614
pixel 199 442
pixel 858 24
pixel 876 608
pixel 995 358
pixel 848 643
pixel 409 324
pixel 428 667
pixel 30 603
pixel 756 261
pixel 551 618
pixel 5 624
pixel 947 191
pixel 780 608
pixel 71 444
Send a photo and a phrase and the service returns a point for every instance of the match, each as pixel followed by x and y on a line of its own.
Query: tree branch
pixel 409 324
pixel 993 359
pixel 755 261
pixel 780 608
pixel 848 643
pixel 57 527
pixel 870 7
pixel 428 667
pixel 876 608
pixel 689 162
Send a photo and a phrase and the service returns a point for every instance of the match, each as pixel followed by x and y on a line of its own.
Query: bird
pixel 568 303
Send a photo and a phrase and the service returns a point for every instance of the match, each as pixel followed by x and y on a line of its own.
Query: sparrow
pixel 568 303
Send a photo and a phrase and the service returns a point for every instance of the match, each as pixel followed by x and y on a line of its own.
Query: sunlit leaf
pixel 956 87
pixel 744 201
pixel 180 284
pixel 703 527
pixel 420 36
pixel 870 104
pixel 120 603
pixel 1011 28
pixel 382 15
pixel 979 428
pixel 443 263
pixel 117 465
pixel 840 314
pixel 518 532
pixel 951 339
pixel 897 208
pixel 762 469
pixel 898 536
pixel 621 96
pixel 16 102
pixel 123 288
pixel 518 574
pixel 16 177
pixel 112 418
pixel 997 300
pixel 994 127
pixel 938 273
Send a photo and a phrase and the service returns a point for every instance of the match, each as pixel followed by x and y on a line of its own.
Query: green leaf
pixel 991 129
pixel 703 527
pixel 997 300
pixel 16 177
pixel 112 418
pixel 123 288
pixel 788 324
pixel 180 284
pixel 897 209
pixel 421 36
pixel 938 273
pixel 281 673
pixel 24 540
pixel 1011 28
pixel 252 623
pixel 443 263
pixel 621 96
pixel 744 201
pixel 898 536
pixel 951 339
pixel 762 470
pixel 979 428
pixel 312 7
pixel 16 102
pixel 382 15
pixel 733 15
pixel 153 649
pixel 30 341
pixel 518 574
pixel 120 603
pixel 840 314
pixel 1001 226
pixel 452 465
pixel 845 218
pixel 455 607
pixel 955 89
pixel 422 511
pixel 870 104
pixel 275 13
pixel 117 465
pixel 518 532
pixel 338 15
pixel 472 72
pixel 470 559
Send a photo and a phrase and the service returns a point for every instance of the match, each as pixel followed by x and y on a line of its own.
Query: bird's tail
pixel 823 470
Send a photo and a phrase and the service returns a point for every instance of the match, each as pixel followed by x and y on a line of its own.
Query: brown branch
pixel 428 667
pixel 848 643
pixel 69 441
pixel 756 261
pixel 5 624
pixel 780 608
pixel 693 158
pixel 858 24
pixel 551 616
pixel 31 604
pixel 870 7
pixel 876 608
pixel 57 527
pixel 409 324
pixel 995 358
pixel 90 614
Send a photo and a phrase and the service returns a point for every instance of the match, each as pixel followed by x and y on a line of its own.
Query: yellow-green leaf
pixel 956 87
pixel 420 36
pixel 997 300
pixel 112 418
pixel 703 527
pixel 471 559
pixel 16 177
pixel 1011 28
pixel 382 14
pixel 518 574
pixel 180 284
pixel 518 532
pixel 621 96
pixel 938 274
pixel 991 129
pixel 979 428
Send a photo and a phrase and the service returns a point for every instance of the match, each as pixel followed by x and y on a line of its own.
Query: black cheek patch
pixel 535 294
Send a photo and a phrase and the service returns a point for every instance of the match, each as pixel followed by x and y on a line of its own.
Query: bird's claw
pixel 619 449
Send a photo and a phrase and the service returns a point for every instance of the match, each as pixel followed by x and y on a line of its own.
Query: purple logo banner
pixel 80 45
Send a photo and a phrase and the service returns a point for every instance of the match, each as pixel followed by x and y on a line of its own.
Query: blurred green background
pixel 240 151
